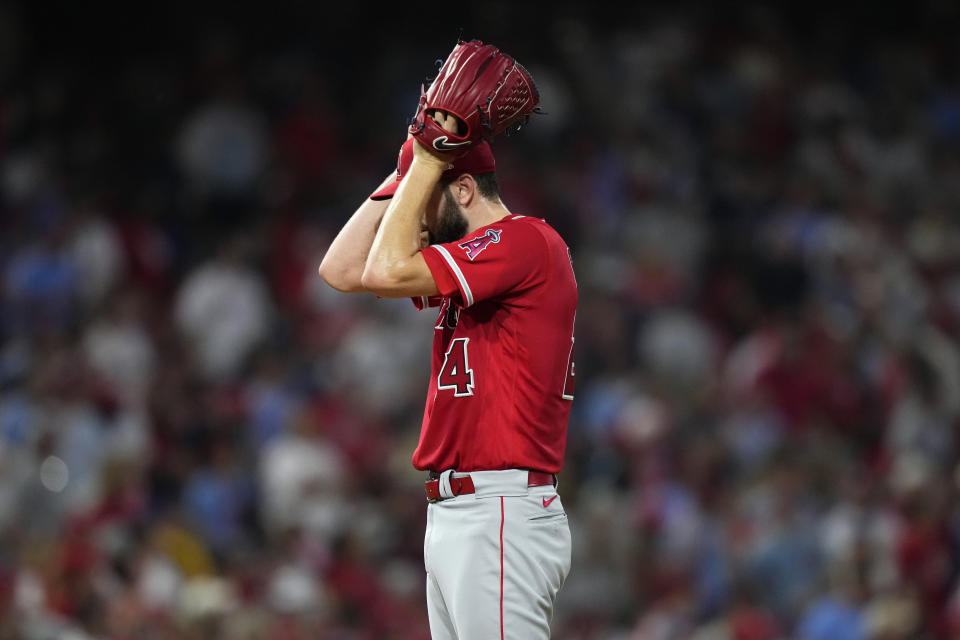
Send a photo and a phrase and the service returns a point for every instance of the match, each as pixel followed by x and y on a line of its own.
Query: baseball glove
pixel 486 89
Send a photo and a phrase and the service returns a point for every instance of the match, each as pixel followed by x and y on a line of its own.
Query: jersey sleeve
pixel 424 302
pixel 488 263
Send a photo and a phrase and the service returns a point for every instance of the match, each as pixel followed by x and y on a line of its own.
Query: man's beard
pixel 452 224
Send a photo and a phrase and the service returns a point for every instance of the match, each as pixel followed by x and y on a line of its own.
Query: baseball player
pixel 497 544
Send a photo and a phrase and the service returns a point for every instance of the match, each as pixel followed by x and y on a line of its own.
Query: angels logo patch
pixel 476 246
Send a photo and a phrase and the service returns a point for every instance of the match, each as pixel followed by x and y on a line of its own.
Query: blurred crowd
pixel 199 439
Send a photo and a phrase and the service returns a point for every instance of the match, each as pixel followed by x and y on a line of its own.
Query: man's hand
pixel 424 153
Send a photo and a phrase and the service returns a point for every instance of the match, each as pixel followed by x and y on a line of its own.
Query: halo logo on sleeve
pixel 475 246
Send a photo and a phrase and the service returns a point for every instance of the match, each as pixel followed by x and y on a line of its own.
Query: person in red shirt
pixel 497 545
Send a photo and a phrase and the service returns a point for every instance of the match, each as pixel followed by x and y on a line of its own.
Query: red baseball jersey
pixel 502 365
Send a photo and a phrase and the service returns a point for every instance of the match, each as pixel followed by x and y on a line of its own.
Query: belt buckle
pixel 435 476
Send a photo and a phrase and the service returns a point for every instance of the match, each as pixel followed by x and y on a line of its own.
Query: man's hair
pixel 487 184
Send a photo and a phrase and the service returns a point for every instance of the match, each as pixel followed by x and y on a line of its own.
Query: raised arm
pixel 342 266
pixel 395 267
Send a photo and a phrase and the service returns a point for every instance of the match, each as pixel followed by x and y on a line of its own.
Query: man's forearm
pixel 342 265
pixel 397 240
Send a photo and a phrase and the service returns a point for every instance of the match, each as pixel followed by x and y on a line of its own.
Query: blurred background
pixel 198 439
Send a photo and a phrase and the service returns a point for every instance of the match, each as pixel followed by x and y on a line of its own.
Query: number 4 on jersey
pixel 456 373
